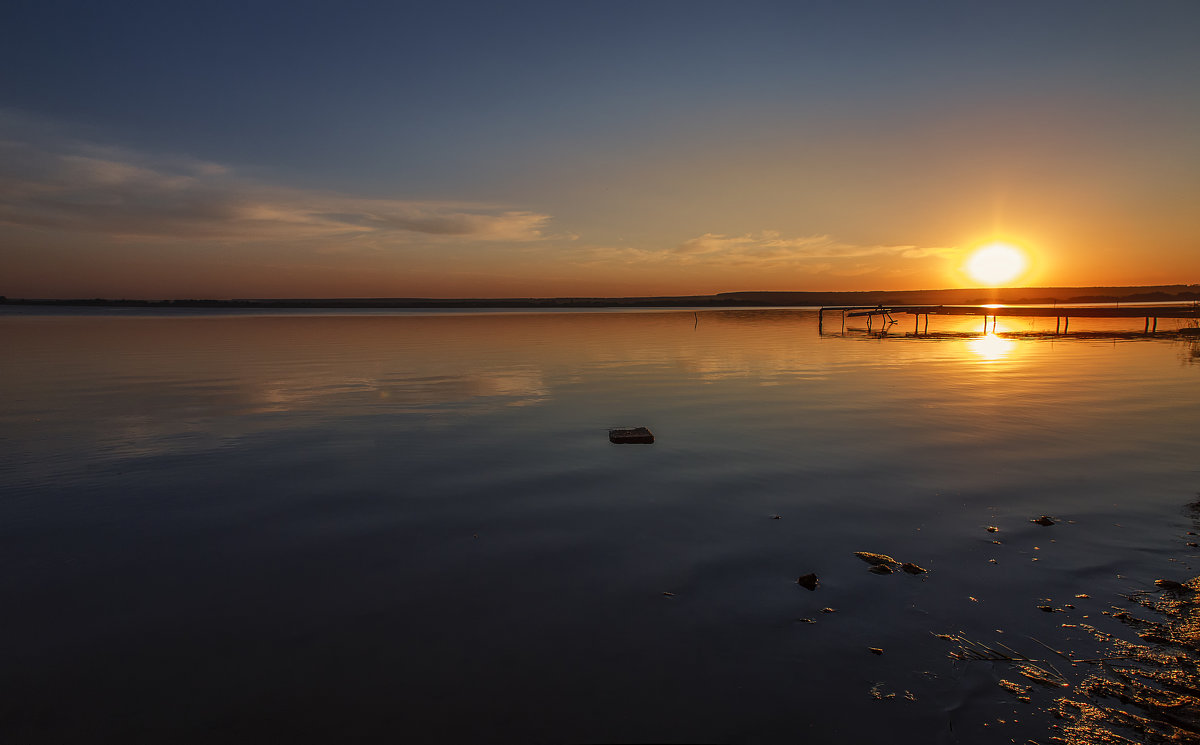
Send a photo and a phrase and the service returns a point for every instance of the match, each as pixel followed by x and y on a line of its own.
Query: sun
pixel 996 264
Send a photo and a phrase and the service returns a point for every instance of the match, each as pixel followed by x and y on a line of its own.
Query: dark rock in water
pixel 635 436
pixel 912 568
pixel 808 581
pixel 829 610
pixel 876 559
pixel 1043 520
pixel 880 569
pixel 1046 608
pixel 1170 584
pixel 805 620
pixel 992 529
pixel 874 650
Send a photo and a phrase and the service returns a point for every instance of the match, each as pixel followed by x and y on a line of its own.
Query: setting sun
pixel 996 264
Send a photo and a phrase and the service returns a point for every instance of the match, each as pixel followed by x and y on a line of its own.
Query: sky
pixel 390 149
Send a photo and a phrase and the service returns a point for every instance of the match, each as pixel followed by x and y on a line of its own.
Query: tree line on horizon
pixel 969 296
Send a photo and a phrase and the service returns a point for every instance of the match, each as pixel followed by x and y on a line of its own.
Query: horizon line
pixel 719 296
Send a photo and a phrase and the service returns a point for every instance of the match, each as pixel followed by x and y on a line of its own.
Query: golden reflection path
pixel 991 348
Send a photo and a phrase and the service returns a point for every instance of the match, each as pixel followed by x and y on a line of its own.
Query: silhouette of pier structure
pixel 886 315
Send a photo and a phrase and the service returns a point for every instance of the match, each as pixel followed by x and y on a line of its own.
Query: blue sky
pixel 304 148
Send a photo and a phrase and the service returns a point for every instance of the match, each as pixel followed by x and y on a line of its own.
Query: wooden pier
pixel 886 314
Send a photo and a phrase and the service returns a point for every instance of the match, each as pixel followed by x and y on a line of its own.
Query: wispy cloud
pixel 816 254
pixel 771 246
pixel 117 193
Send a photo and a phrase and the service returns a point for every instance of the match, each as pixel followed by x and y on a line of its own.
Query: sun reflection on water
pixel 991 348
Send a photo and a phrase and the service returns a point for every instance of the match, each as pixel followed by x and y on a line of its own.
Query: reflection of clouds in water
pixel 166 425
pixel 139 436
pixel 521 387
pixel 768 359
pixel 769 368
pixel 405 393
pixel 711 366
pixel 153 418
pixel 302 393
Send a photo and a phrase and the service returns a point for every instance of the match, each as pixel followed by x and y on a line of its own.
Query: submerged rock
pixel 808 581
pixel 912 568
pixel 880 569
pixel 1043 520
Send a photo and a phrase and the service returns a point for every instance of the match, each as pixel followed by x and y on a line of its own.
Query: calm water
pixel 348 527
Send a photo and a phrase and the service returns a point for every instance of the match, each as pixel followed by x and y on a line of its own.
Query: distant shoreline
pixel 970 296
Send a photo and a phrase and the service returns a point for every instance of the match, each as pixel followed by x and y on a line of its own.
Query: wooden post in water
pixel 916 323
pixel 1155 329
pixel 1147 329
pixel 1057 324
pixel 1066 323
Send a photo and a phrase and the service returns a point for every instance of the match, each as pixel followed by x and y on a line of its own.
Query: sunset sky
pixel 314 149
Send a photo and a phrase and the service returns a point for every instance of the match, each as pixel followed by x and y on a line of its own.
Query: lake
pixel 360 526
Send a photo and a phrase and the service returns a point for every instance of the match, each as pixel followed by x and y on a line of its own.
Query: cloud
pixel 114 193
pixel 766 249
pixel 771 246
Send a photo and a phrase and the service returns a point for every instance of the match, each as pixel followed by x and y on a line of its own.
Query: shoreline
pixel 968 296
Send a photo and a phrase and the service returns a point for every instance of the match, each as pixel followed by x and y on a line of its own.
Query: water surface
pixel 328 526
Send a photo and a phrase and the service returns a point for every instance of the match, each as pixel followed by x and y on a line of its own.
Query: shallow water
pixel 319 527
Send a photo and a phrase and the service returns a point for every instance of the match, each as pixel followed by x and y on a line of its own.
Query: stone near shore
pixel 876 559
pixel 634 436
